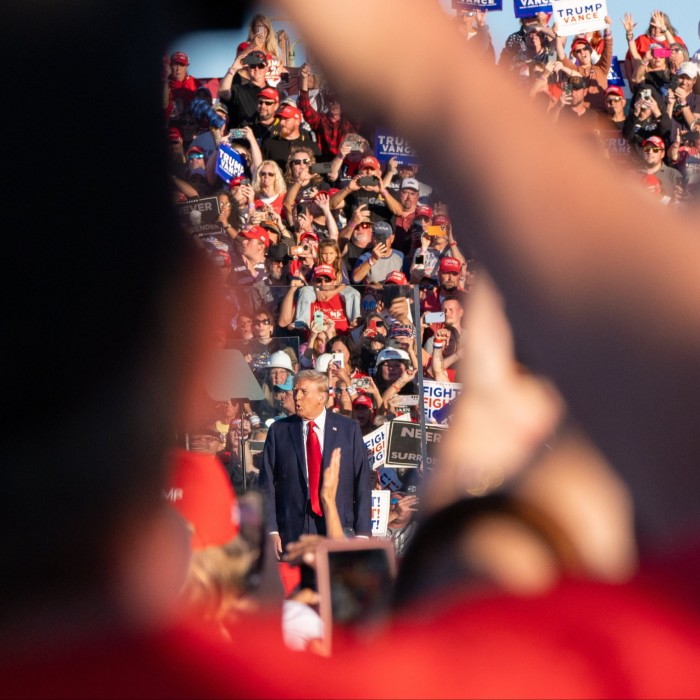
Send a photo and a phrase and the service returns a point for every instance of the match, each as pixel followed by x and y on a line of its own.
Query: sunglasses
pixel 266 102
pixel 427 287
pixel 195 156
pixel 613 99
pixel 300 161
pixel 581 49
pixel 323 280
pixel 267 174
pixel 652 149
pixel 262 322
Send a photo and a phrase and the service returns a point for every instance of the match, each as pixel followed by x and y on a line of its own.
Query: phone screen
pixel 355 579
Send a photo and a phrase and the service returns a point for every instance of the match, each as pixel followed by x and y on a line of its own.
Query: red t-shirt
pixel 334 310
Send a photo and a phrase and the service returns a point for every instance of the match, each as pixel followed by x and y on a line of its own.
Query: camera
pixel 304 249
pixel 368 181
pixel 420 259
pixel 321 168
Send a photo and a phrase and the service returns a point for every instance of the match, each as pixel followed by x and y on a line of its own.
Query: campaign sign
pixel 381 503
pixel 375 443
pixel 615 73
pixel 578 17
pixel 404 443
pixel 229 163
pixel 436 395
pixel 387 146
pixel 199 215
pixel 527 8
pixel 490 5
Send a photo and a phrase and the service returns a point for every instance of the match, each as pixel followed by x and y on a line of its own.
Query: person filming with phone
pixel 376 265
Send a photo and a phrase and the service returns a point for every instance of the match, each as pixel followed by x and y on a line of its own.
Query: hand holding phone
pixel 434 317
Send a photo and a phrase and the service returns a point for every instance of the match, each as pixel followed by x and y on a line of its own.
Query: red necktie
pixel 313 462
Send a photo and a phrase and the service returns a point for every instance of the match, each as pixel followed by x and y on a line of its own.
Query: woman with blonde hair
pixel 262 37
pixel 269 186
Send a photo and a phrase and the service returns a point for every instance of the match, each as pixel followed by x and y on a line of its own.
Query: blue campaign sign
pixel 527 8
pixel 490 5
pixel 615 73
pixel 389 146
pixel 229 163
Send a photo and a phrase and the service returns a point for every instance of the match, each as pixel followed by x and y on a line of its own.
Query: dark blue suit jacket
pixel 283 480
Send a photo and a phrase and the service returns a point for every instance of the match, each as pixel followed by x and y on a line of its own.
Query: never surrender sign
pixel 573 17
pixel 404 443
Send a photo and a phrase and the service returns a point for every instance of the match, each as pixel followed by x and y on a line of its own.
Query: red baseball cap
pixel 257 233
pixel 324 271
pixel 174 135
pixel 269 93
pixel 180 57
pixel 369 162
pixel 288 112
pixel 424 210
pixel 363 400
pixel 201 492
pixel 309 234
pixel 441 220
pixel 656 141
pixel 614 90
pixel 236 181
pixel 396 277
pixel 449 264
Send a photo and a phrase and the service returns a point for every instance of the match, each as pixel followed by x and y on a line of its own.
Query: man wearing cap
pixel 330 127
pixel 595 76
pixel 409 192
pixel 436 243
pixel 248 264
pixel 265 122
pixel 612 122
pixel 241 99
pixel 380 203
pixel 572 107
pixel 179 86
pixel 289 135
pixel 277 279
pixel 647 117
pixel 685 103
pixel 378 263
pixel 656 174
pixel 338 303
pixel 363 412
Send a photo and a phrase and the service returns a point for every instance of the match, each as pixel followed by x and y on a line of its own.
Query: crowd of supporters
pixel 336 261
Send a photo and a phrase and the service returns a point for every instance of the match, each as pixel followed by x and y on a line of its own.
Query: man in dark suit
pixel 297 450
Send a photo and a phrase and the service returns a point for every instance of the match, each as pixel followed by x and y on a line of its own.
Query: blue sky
pixel 211 53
